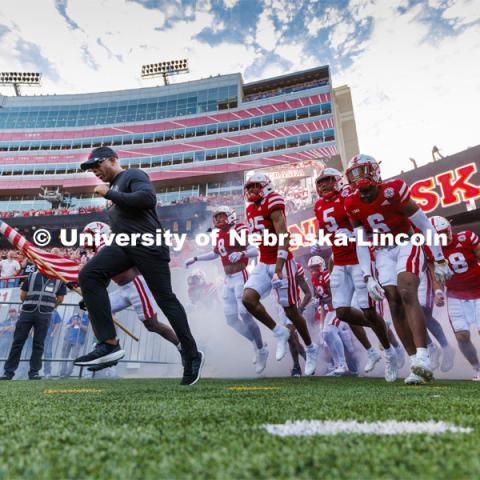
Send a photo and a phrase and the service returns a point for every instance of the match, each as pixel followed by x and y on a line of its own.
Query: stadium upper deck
pixel 193 138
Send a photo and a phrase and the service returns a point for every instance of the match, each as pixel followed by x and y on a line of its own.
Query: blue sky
pixel 413 66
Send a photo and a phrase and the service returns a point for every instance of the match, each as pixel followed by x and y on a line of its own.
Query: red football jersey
pixel 321 287
pixel 331 216
pixel 258 216
pixel 465 283
pixel 227 244
pixel 384 213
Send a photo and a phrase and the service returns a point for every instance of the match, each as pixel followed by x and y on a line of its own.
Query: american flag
pixel 49 264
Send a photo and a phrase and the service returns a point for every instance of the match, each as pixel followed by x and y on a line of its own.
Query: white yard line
pixel 304 428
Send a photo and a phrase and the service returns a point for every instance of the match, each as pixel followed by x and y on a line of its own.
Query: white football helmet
pixel 229 212
pixel 339 184
pixel 266 187
pixel 96 228
pixel 442 225
pixel 316 261
pixel 363 171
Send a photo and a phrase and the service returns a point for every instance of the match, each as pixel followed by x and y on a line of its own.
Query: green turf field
pixel 157 429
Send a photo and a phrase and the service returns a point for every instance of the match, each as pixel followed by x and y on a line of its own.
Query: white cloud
pixel 410 94
pixel 230 3
pixel 267 35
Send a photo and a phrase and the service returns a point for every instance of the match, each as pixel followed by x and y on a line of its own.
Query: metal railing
pixel 151 349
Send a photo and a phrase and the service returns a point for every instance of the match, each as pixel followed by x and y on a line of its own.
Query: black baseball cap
pixel 97 156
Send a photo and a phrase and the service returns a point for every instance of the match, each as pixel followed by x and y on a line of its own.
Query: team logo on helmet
pixel 363 171
pixel 265 187
pixel 442 225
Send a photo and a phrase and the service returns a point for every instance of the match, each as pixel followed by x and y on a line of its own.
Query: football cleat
pixel 282 341
pixel 296 372
pixel 311 360
pixel 262 357
pixel 341 370
pixel 476 377
pixel 434 354
pixel 391 371
pixel 373 358
pixel 413 379
pixel 400 356
pixel 422 368
pixel 448 355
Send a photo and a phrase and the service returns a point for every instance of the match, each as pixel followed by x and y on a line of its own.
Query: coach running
pixel 132 210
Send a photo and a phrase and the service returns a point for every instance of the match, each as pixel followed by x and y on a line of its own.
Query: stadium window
pixel 267 146
pixel 210 156
pixel 304 139
pixel 188 158
pixel 177 159
pixel 279 117
pixel 190 132
pixel 233 152
pixel 329 135
pixel 169 135
pixel 159 136
pixel 280 144
pixel 255 123
pixel 200 156
pixel 179 134
pixel 326 108
pixel 267 120
pixel 256 148
pixel 212 130
pixel 314 110
pixel 244 150
pixel 148 139
pixel 302 113
pixel 200 131
pixel 233 126
pixel 222 127
pixel 244 124
pixel 222 153
pixel 290 115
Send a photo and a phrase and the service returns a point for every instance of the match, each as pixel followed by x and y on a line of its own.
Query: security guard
pixel 40 296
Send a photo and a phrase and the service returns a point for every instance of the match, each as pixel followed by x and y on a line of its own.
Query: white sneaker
pixel 413 379
pixel 262 356
pixel 373 358
pixel 448 354
pixel 434 354
pixel 282 341
pixel 476 377
pixel 422 368
pixel 400 357
pixel 311 360
pixel 391 371
pixel 340 370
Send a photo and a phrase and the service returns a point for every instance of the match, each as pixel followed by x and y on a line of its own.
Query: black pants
pixel 153 265
pixel 39 322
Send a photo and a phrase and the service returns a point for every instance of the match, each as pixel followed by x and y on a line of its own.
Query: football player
pixel 463 289
pixel 276 269
pixel 132 291
pixel 296 348
pixel 430 293
pixel 377 206
pixel 234 258
pixel 346 277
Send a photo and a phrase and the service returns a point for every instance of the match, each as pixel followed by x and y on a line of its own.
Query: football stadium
pixel 204 357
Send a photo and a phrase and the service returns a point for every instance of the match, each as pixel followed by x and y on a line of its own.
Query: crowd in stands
pixel 51 211
pixel 285 90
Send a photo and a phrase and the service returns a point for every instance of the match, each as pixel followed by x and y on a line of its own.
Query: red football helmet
pixel 231 217
pixel 266 187
pixel 442 225
pixel 363 171
pixel 328 190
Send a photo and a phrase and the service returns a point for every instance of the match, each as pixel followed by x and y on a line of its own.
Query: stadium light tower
pixel 164 69
pixel 20 78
